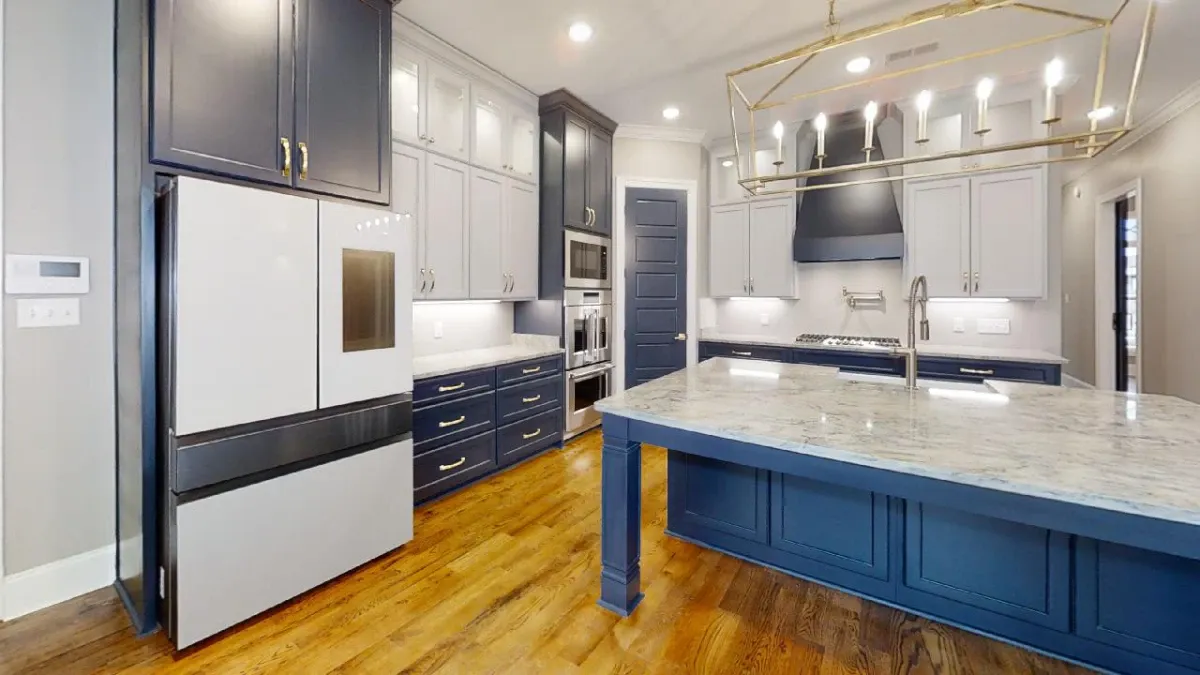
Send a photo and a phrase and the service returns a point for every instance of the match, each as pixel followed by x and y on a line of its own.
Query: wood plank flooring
pixel 503 578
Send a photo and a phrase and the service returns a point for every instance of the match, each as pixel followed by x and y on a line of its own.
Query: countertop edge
pixel 931 351
pixel 491 362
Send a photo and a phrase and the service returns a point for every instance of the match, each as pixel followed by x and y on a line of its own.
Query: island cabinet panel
pixel 839 526
pixel 708 494
pixel 1008 568
pixel 1138 600
pixel 978 371
pixel 757 352
pixel 883 364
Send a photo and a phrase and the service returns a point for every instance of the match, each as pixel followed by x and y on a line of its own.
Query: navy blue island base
pixel 1110 590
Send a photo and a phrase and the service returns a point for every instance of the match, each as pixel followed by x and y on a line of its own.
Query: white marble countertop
pixel 457 362
pixel 1137 454
pixel 923 349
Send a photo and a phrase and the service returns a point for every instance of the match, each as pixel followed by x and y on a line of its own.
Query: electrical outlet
pixel 960 326
pixel 438 330
pixel 765 319
pixel 992 326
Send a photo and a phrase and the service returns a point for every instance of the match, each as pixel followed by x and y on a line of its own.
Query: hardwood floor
pixel 503 578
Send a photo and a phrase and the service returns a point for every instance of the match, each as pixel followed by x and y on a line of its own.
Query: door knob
pixel 681 337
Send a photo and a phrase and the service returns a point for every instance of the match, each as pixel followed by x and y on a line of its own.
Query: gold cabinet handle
pixel 452 423
pixel 530 371
pixel 303 160
pixel 456 387
pixel 533 435
pixel 447 467
pixel 743 353
pixel 287 156
pixel 532 399
pixel 973 371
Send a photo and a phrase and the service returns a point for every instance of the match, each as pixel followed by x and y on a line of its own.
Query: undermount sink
pixel 922 383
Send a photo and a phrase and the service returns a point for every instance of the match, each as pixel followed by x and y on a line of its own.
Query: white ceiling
pixel 646 55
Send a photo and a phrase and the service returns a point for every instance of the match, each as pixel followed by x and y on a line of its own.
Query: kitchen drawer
pixel 520 401
pixel 883 364
pixel 528 370
pixel 452 421
pixel 978 371
pixel 455 385
pixel 453 465
pixel 756 352
pixel 523 439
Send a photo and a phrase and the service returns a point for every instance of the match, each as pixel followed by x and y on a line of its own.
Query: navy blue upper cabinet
pixel 577 164
pixel 342 120
pixel 287 92
pixel 222 99
pixel 599 181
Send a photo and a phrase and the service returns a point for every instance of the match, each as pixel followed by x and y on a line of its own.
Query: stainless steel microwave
pixel 587 263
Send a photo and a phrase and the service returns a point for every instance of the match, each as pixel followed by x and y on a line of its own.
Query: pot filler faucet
pixel 919 284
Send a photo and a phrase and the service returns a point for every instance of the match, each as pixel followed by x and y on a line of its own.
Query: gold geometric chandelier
pixel 1086 144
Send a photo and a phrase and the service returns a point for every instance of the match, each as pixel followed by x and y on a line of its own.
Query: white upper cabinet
pixel 521 241
pixel 447 229
pixel 1008 234
pixel 983 236
pixel 409 76
pixel 1014 114
pixel 523 150
pixel 449 115
pixel 750 249
pixel 489 279
pixel 724 181
pixel 408 201
pixel 491 124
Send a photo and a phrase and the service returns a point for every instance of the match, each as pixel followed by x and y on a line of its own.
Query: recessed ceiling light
pixel 859 65
pixel 580 32
pixel 727 163
pixel 671 113
pixel 1102 113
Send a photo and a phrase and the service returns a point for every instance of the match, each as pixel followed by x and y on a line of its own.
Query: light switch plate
pixel 960 326
pixel 438 331
pixel 992 326
pixel 47 312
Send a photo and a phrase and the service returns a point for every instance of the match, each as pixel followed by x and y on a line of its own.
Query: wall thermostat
pixel 45 274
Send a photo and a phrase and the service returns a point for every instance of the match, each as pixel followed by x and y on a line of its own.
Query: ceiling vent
pixel 909 53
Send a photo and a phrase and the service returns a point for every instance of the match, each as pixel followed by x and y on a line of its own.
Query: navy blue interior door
pixel 655 283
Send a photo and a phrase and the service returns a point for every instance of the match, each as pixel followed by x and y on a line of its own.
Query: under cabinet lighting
pixel 964 300
pixel 430 303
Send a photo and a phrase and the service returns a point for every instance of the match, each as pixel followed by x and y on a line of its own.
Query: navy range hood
pixel 859 222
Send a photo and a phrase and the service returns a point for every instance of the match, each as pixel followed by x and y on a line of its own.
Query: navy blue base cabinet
pixel 1101 604
pixel 467 426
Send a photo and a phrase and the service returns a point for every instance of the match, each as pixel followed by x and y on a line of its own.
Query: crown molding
pixel 647 132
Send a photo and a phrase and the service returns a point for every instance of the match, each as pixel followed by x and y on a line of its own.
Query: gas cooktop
pixel 848 341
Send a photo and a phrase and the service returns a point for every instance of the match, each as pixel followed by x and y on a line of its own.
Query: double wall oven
pixel 587 329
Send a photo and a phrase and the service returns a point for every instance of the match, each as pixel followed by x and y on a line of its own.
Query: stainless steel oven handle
pixel 587 373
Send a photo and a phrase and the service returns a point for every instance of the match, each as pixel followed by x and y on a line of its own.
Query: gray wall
pixel 58 448
pixel 1169 166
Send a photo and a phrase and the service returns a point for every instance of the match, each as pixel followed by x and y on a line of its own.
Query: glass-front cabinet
pixel 408 98
pixel 505 136
pixel 523 144
pixel 429 103
pixel 448 113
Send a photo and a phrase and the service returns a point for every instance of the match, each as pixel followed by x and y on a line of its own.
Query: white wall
pixel 58 383
pixel 465 325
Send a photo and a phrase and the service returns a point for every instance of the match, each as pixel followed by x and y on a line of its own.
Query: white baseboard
pixel 27 592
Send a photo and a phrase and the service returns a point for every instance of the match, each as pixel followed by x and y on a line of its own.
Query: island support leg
pixel 621 519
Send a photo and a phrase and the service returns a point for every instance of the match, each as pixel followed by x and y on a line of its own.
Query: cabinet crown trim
pixel 561 98
pixel 648 132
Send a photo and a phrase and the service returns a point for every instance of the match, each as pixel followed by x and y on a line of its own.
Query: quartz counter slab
pixel 1134 454
pixel 923 349
pixel 455 362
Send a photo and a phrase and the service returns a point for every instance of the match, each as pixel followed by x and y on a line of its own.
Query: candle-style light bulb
pixel 924 100
pixel 869 114
pixel 821 123
pixel 777 130
pixel 983 91
pixel 1053 78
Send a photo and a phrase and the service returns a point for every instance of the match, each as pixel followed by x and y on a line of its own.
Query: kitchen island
pixel 1064 520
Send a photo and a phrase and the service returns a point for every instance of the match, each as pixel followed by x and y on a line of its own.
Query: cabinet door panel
pixel 521 241
pixel 523 145
pixel 836 525
pixel 409 75
pixel 408 201
pixel 490 132
pixel 716 495
pixel 599 170
pixel 728 238
pixel 199 62
pixel 772 269
pixel 342 96
pixel 449 120
pixel 446 228
pixel 487 235
pixel 575 173
pixel 1008 235
pixel 936 226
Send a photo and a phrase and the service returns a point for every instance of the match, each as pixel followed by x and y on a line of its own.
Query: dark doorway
pixel 655 283
pixel 1125 318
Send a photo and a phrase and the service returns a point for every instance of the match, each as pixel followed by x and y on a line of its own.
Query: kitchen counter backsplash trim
pixel 947 351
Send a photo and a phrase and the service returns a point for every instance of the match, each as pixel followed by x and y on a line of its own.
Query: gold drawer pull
pixel 972 371
pixel 743 353
pixel 529 371
pixel 533 435
pixel 532 399
pixel 456 387
pixel 452 423
pixel 447 467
